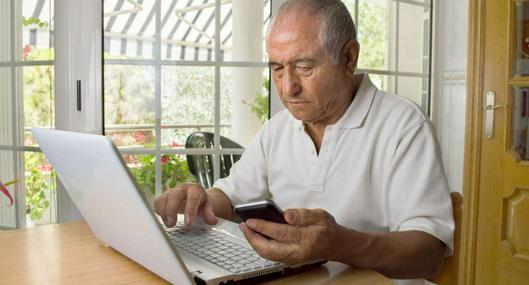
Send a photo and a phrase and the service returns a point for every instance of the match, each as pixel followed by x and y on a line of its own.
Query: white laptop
pixel 103 189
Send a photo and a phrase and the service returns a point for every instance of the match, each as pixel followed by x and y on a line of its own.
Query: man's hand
pixel 309 235
pixel 188 198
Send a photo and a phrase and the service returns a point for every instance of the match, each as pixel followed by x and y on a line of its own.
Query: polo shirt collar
pixel 359 108
pixel 357 111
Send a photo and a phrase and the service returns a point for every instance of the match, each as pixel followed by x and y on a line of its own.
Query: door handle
pixel 489 113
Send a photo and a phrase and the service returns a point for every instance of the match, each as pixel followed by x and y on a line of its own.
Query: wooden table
pixel 70 254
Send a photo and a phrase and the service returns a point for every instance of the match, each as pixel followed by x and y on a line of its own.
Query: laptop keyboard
pixel 213 247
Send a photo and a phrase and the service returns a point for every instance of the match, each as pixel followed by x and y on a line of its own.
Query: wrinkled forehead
pixel 292 31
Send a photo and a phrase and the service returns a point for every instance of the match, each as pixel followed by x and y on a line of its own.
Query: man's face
pixel 309 85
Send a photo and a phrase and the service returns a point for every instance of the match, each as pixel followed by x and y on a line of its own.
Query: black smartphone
pixel 265 210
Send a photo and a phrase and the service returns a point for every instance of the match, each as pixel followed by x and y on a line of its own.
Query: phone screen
pixel 265 210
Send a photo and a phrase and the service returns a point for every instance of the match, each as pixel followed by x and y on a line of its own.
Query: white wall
pixel 449 104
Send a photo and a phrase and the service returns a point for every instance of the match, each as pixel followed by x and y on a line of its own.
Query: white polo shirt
pixel 379 168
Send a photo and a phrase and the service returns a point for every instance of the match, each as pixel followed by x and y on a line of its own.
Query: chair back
pixel 450 272
pixel 201 165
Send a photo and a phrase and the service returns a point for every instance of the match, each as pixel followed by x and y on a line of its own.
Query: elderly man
pixel 359 171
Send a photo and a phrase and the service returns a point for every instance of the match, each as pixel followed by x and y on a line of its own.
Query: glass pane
pixel 39 102
pixel 413 45
pixel 188 30
pixel 37 30
pixel 6 106
pixel 521 66
pixel 129 28
pixel 142 168
pixel 412 88
pixel 244 102
pixel 5 31
pixel 520 122
pixel 372 30
pixel 243 30
pixel 188 102
pixel 130 105
pixel 175 171
pixel 41 196
pixel 7 174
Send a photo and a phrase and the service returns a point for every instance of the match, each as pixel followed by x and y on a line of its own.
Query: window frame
pixel 17 147
pixel 217 63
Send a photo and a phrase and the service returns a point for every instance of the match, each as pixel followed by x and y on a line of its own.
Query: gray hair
pixel 335 26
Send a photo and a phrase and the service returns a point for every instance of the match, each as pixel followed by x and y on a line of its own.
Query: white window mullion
pixel 216 120
pixel 158 101
pixel 18 113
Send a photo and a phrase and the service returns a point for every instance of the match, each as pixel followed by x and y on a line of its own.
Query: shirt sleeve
pixel 418 195
pixel 248 178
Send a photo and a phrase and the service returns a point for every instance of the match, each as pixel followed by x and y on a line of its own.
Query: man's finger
pixel 258 242
pixel 206 211
pixel 175 199
pixel 193 200
pixel 267 248
pixel 305 217
pixel 159 205
pixel 280 232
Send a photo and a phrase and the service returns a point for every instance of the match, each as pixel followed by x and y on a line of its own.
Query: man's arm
pixel 402 255
pixel 314 234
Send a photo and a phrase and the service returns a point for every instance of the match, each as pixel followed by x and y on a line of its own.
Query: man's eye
pixel 277 68
pixel 304 69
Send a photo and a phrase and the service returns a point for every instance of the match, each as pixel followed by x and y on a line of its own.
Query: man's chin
pixel 302 116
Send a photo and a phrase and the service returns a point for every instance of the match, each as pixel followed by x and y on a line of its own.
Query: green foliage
pixel 174 171
pixel 34 21
pixel 36 186
pixel 39 110
pixel 372 32
pixel 261 105
pixel 39 94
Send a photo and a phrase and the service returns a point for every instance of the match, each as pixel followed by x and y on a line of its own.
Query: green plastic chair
pixel 201 166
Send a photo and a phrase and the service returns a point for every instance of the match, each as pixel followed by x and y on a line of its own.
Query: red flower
pixel 3 189
pixel 174 144
pixel 139 137
pixel 164 159
pixel 26 51
pixel 45 168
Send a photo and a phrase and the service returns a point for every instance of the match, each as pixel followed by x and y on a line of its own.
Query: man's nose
pixel 291 84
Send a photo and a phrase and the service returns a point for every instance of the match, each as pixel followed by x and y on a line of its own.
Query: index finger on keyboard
pixel 193 201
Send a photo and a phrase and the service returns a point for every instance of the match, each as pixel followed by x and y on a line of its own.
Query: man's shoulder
pixel 281 116
pixel 281 120
pixel 397 107
pixel 396 113
pixel 278 130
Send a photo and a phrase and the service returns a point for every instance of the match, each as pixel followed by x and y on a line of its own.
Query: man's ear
pixel 351 51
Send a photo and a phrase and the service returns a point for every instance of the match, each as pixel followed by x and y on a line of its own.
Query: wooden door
pixel 496 188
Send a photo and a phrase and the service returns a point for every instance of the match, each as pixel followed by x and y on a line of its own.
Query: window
pixel 26 100
pixel 172 68
pixel 395 45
